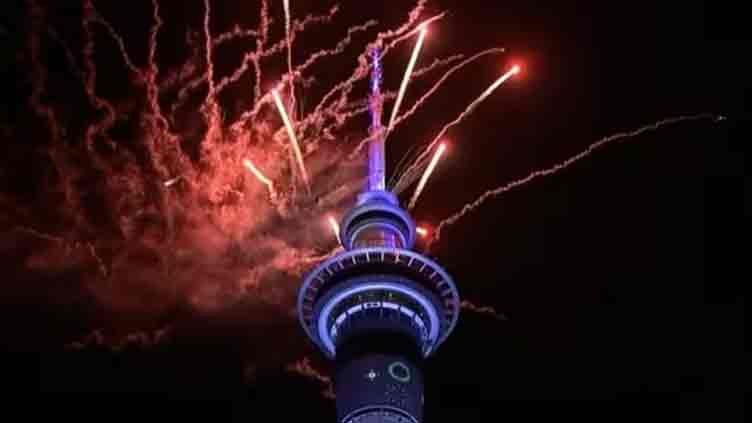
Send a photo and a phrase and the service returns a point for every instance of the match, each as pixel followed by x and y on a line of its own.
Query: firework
pixel 409 175
pixel 421 231
pixel 426 175
pixel 335 227
pixel 406 78
pixel 257 173
pixel 293 138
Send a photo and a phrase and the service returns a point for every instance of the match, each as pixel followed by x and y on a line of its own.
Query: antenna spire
pixel 376 156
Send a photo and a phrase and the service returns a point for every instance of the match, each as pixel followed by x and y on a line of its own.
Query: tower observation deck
pixel 378 308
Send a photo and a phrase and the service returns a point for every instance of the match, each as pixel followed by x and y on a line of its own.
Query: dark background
pixel 620 278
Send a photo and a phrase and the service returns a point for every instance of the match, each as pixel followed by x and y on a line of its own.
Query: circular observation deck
pixel 377 220
pixel 377 289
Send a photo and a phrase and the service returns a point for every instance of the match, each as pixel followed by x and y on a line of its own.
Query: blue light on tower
pixel 379 308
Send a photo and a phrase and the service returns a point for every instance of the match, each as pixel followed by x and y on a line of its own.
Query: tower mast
pixel 376 155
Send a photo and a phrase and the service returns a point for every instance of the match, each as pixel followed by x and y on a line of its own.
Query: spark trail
pixel 485 310
pixel 288 38
pixel 409 175
pixel 429 93
pixel 496 192
pixel 406 79
pixel 261 177
pixel 427 174
pixel 293 139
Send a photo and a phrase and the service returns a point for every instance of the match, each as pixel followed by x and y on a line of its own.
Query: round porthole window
pixel 399 371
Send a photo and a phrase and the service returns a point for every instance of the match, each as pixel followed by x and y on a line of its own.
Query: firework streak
pixel 427 174
pixel 406 78
pixel 408 177
pixel 151 190
pixel 468 208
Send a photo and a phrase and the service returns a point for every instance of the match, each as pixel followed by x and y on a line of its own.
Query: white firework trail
pixel 443 79
pixel 172 181
pixel 293 139
pixel 261 177
pixel 406 79
pixel 335 228
pixel 427 174
pixel 408 176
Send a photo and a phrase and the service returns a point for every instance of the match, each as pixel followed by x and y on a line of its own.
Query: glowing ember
pixel 172 182
pixel 421 231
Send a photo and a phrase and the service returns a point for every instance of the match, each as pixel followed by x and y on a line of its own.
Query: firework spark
pixel 406 78
pixel 410 174
pixel 421 231
pixel 293 138
pixel 436 87
pixel 260 176
pixel 427 174
pixel 335 227
pixel 288 39
pixel 172 181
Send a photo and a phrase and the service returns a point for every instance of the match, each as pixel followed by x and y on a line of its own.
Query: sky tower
pixel 379 308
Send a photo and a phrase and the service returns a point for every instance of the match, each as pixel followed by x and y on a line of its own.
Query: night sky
pixel 618 278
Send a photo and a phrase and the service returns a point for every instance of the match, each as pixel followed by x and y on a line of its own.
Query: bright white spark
pixel 406 78
pixel 511 72
pixel 172 182
pixel 421 231
pixel 293 138
pixel 257 173
pixel 335 228
pixel 262 178
pixel 426 175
